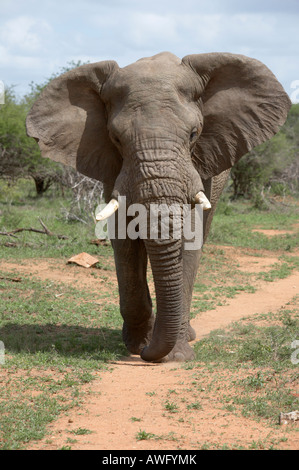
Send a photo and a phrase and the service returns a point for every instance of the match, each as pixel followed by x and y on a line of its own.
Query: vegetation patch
pixel 260 350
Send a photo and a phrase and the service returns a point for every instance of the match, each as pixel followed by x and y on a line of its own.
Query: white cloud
pixel 38 38
pixel 4 56
pixel 144 28
pixel 24 33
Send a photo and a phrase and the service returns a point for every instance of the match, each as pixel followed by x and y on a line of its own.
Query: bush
pixel 274 164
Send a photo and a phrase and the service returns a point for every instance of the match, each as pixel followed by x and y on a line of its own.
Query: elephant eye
pixel 193 135
pixel 114 139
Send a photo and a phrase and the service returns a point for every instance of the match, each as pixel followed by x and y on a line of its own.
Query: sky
pixel 39 38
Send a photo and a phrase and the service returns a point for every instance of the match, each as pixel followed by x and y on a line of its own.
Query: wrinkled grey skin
pixel 158 131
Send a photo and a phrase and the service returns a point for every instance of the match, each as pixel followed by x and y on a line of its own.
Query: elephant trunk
pixel 166 263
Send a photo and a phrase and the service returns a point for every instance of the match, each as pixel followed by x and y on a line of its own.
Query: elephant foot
pixel 191 333
pixel 137 337
pixel 180 353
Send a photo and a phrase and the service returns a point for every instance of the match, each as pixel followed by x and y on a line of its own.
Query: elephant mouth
pixel 113 205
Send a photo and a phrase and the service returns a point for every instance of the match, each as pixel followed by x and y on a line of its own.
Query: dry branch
pixel 45 231
pixel 12 279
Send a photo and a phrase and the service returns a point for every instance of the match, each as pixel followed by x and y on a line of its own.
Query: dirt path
pixel 134 399
pixel 271 296
pixel 133 396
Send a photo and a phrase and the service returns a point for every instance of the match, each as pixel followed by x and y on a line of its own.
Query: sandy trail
pixel 132 397
pixel 269 297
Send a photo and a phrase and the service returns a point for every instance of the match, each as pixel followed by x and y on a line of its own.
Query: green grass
pixel 81 432
pixel 261 351
pixel 35 320
pixel 234 222
pixel 280 270
pixel 219 279
pixel 171 407
pixel 142 435
pixel 248 343
pixel 67 339
pixel 20 208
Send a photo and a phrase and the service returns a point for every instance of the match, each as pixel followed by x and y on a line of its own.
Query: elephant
pixel 161 130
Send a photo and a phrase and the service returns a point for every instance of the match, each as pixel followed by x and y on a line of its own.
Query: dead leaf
pixel 84 259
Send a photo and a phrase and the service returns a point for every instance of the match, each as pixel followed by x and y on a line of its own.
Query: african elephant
pixel 160 130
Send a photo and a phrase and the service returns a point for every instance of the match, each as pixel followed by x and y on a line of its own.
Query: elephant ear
pixel 68 121
pixel 243 106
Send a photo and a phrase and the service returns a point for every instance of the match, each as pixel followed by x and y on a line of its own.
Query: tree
pixel 20 155
pixel 271 164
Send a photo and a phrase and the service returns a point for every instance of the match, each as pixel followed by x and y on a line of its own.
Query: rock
pixel 286 418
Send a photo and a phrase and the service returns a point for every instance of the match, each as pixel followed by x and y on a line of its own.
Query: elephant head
pixel 158 131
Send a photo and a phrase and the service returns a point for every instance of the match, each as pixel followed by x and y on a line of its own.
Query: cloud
pixel 145 28
pixel 24 42
pixel 24 34
pixel 38 38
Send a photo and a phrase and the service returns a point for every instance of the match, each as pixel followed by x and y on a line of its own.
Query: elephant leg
pixel 191 264
pixel 213 190
pixel 135 301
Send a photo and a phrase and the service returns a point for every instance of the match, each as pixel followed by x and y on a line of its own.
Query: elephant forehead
pixel 160 65
pixel 157 75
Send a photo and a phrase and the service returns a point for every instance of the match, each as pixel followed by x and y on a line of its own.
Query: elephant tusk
pixel 201 198
pixel 108 210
